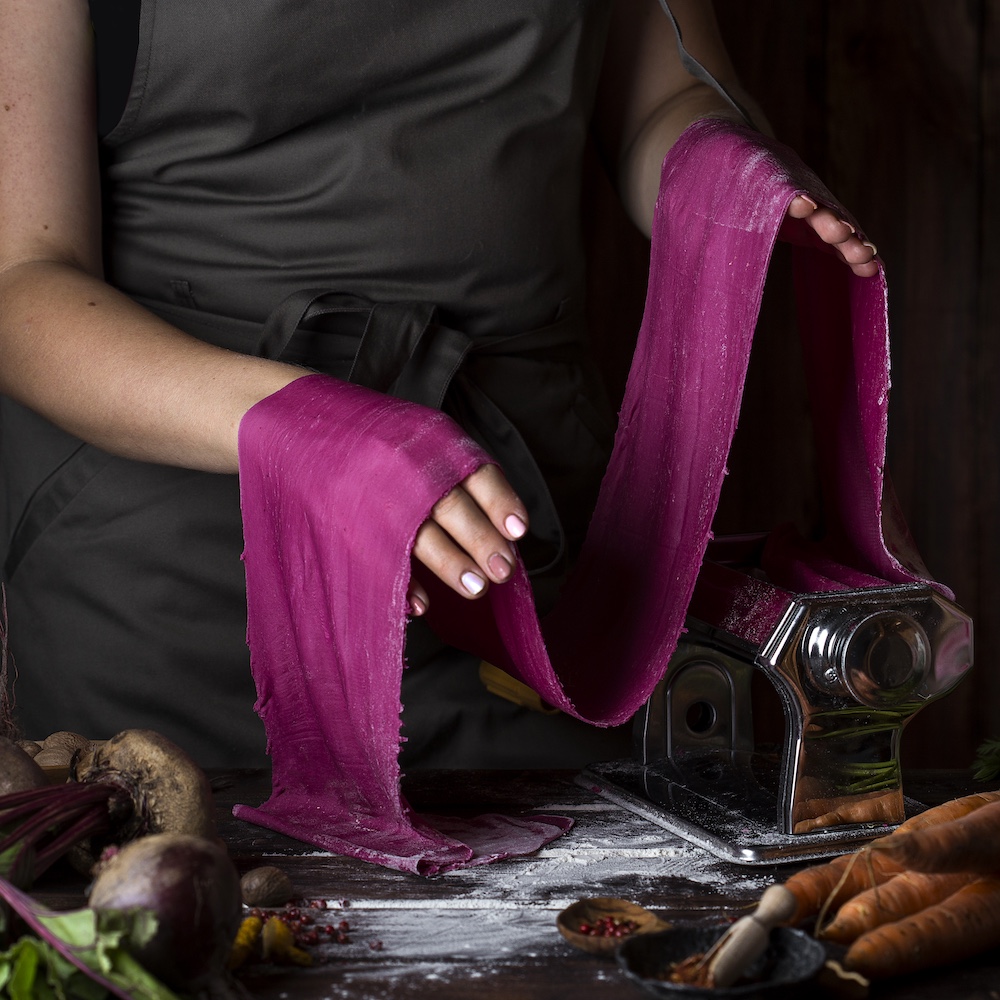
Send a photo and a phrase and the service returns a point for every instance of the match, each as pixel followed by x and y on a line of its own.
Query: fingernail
pixel 417 606
pixel 849 226
pixel 806 197
pixel 499 566
pixel 871 246
pixel 515 526
pixel 473 584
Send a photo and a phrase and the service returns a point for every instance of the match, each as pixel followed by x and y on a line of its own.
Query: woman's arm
pixel 647 99
pixel 92 361
pixel 72 348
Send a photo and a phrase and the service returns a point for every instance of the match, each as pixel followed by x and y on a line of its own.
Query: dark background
pixel 896 105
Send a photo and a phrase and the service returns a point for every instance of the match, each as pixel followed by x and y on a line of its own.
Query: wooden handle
pixel 747 939
pixel 776 906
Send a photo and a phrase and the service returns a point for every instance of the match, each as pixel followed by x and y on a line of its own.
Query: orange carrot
pixel 968 844
pixel 830 885
pixel 904 894
pixel 873 807
pixel 820 887
pixel 946 812
pixel 963 925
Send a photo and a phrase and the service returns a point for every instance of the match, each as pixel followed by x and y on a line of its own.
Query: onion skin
pixel 18 772
pixel 193 888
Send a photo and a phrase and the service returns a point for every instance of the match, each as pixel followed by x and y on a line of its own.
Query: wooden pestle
pixel 733 954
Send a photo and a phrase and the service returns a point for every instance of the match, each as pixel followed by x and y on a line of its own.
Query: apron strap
pixel 699 72
pixel 402 350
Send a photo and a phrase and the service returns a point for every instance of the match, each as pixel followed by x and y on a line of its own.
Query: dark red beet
pixel 194 890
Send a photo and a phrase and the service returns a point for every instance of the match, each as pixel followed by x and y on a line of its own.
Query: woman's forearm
pixel 103 368
pixel 641 160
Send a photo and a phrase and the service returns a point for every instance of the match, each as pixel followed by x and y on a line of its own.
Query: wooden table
pixel 490 931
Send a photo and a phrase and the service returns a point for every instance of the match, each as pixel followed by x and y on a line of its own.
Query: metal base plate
pixel 728 812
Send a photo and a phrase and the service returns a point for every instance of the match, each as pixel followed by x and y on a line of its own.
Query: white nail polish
pixel 472 583
pixel 515 526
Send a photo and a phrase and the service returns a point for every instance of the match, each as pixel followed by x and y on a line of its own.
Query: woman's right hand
pixel 467 540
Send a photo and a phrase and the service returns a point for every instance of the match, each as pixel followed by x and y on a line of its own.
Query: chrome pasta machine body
pixel 850 668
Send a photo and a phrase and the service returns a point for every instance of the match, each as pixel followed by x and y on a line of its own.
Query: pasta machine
pixel 850 668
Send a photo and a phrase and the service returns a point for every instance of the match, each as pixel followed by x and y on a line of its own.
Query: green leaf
pixel 7 858
pixel 987 762
pixel 77 928
pixel 28 972
pixel 17 865
pixel 78 943
pixel 33 969
pixel 100 940
pixel 22 982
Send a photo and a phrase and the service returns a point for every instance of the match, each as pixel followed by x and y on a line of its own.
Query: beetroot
pixel 192 888
pixel 135 784
pixel 168 792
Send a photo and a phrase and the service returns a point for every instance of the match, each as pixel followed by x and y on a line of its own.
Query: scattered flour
pixel 479 919
pixel 474 924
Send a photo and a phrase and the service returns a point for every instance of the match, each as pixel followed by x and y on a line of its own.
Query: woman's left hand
pixel 647 99
pixel 838 234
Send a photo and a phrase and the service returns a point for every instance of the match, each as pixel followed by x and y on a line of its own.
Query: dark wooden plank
pixel 609 849
pixel 986 506
pixel 576 976
pixel 491 931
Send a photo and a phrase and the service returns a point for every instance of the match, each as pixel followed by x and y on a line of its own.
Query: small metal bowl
pixel 791 957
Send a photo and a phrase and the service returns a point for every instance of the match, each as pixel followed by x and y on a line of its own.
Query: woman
pixel 303 161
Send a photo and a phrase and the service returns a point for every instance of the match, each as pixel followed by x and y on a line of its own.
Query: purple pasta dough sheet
pixel 336 479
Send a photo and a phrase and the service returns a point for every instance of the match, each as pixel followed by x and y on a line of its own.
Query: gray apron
pixel 384 191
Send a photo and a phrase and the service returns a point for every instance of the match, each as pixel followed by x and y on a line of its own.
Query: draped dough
pixel 336 479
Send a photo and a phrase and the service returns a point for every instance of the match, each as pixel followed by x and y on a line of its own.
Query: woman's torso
pixel 397 150
pixel 422 151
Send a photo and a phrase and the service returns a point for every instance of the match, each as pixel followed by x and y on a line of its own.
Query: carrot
pixel 946 812
pixel 830 885
pixel 873 807
pixel 968 844
pixel 904 894
pixel 963 925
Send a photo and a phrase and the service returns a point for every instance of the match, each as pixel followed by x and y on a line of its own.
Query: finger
pixel 837 233
pixel 801 206
pixel 496 498
pixel 860 254
pixel 417 598
pixel 473 531
pixel 436 550
pixel 871 267
pixel 829 226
